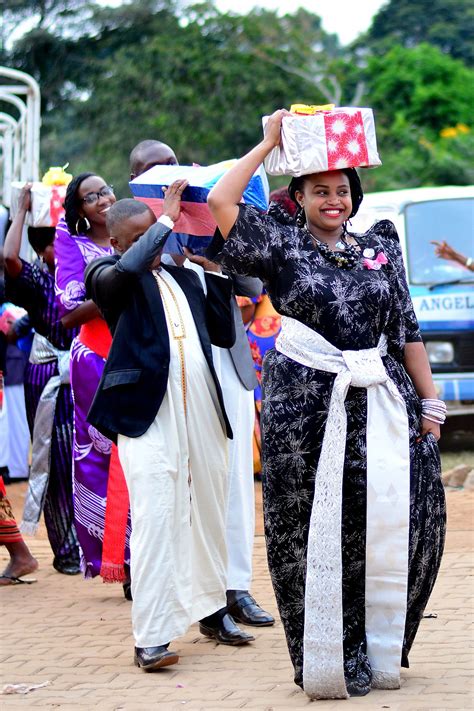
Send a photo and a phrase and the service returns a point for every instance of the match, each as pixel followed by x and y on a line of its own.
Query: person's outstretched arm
pixel 224 198
pixel 108 284
pixel 12 246
pixel 443 250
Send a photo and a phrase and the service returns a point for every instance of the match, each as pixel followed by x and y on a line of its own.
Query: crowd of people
pixel 152 399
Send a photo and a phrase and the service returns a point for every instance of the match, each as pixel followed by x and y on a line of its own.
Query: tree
pixel 201 80
pixel 146 73
pixel 423 105
pixel 446 24
pixel 427 88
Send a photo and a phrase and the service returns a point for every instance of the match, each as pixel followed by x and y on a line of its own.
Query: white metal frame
pixel 20 140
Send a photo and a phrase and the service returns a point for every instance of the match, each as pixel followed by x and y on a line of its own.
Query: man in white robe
pixel 160 398
pixel 237 377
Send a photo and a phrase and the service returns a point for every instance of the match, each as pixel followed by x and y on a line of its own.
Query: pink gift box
pixel 327 140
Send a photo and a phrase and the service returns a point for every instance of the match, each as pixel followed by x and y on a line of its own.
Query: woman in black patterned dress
pixel 350 610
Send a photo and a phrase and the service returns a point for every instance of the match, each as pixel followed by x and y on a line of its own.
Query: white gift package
pixel 326 140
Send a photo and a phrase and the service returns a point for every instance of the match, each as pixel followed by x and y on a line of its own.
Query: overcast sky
pixel 347 18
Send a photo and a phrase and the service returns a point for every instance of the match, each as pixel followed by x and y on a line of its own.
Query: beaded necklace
pixel 347 258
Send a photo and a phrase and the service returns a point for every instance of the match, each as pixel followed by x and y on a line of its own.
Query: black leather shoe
pixel 67 569
pixel 127 590
pixel 221 627
pixel 151 658
pixel 243 608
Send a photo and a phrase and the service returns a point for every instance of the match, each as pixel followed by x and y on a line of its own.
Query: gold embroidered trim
pixel 178 331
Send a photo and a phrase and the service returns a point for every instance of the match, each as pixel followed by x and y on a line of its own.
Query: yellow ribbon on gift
pixel 56 176
pixel 310 110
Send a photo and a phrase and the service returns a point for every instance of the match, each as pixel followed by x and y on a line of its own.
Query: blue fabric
pixel 177 240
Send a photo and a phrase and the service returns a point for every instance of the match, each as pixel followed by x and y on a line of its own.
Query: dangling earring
pixel 86 223
pixel 301 217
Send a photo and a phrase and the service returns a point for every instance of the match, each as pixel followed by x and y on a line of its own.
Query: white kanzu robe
pixel 176 475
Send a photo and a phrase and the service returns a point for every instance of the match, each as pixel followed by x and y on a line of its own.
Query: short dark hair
pixel 71 203
pixel 40 237
pixel 123 209
pixel 137 152
pixel 357 194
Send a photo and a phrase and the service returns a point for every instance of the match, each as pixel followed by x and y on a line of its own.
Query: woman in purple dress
pixel 47 391
pixel 80 238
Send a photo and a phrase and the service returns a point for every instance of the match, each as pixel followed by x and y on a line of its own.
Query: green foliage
pixel 427 87
pixel 417 94
pixel 200 80
pixel 445 24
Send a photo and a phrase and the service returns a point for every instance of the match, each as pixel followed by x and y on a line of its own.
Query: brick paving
pixel 76 634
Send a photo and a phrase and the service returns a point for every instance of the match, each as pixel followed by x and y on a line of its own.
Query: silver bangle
pixel 434 403
pixel 432 419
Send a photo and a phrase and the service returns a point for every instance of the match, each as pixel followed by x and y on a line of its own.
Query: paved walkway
pixel 76 635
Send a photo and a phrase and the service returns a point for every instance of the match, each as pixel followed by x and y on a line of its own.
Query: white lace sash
pixel 388 507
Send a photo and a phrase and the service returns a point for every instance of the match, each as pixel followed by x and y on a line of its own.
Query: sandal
pixel 17 581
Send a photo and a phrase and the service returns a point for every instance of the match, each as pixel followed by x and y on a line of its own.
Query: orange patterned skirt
pixel 9 532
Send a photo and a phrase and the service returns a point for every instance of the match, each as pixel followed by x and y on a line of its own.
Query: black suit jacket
pixel 135 376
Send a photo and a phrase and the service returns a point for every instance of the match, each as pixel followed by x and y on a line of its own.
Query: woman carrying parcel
pixel 353 501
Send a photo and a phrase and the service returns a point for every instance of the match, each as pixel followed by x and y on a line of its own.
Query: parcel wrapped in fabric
pixel 46 204
pixel 325 140
pixel 195 218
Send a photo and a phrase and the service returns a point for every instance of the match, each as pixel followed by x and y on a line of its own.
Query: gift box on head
pixel 316 139
pixel 46 204
pixel 195 218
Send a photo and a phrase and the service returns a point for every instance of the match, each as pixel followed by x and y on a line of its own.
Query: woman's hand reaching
pixel 443 250
pixel 273 127
pixel 225 196
pixel 24 201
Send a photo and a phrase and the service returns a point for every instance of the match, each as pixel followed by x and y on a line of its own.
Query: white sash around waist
pixel 388 516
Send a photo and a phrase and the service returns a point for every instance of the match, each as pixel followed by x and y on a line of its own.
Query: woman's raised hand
pixel 273 127
pixel 172 201
pixel 24 200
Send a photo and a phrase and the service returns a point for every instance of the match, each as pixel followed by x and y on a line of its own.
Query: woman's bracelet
pixel 433 410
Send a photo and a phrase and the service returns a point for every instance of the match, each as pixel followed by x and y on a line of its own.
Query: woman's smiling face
pixel 326 199
pixel 96 210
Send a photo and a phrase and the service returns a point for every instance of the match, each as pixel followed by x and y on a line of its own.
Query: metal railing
pixel 19 130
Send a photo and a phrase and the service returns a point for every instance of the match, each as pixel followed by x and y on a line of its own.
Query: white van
pixel 442 291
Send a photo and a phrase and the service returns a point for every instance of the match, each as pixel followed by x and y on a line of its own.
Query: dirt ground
pixel 76 635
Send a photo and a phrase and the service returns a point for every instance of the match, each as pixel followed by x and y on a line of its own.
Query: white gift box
pixel 46 204
pixel 327 140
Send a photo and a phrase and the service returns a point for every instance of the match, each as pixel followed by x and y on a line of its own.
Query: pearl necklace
pixel 346 259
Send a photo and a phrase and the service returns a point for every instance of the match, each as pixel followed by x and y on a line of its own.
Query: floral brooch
pixel 370 263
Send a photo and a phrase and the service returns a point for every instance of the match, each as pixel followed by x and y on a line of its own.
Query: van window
pixel 450 220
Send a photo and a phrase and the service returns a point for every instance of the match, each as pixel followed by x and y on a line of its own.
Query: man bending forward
pixel 160 399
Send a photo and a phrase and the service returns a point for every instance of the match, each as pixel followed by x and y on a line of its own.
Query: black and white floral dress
pixel 351 309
